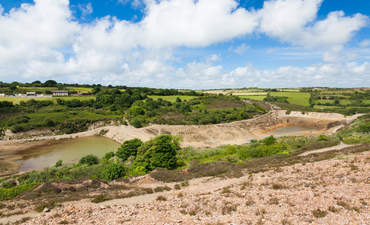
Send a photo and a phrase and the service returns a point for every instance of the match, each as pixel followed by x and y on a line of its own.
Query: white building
pixel 60 93
pixel 31 93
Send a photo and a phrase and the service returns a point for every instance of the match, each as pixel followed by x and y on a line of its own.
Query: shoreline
pixel 197 136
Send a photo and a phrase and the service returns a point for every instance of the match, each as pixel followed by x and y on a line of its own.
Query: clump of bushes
pixel 112 171
pixel 128 148
pixel 108 155
pixel 159 152
pixel 89 160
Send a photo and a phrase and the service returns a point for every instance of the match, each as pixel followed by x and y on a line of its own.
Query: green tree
pixel 50 83
pixel 160 152
pixel 128 148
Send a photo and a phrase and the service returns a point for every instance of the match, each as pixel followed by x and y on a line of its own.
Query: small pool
pixel 70 151
pixel 291 130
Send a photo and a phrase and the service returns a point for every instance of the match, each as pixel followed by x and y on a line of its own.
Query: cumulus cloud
pixel 293 21
pixel 43 40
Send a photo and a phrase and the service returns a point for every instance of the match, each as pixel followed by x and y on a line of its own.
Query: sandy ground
pixel 328 149
pixel 335 191
pixel 201 136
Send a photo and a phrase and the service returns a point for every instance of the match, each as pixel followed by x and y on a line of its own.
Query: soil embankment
pixel 239 132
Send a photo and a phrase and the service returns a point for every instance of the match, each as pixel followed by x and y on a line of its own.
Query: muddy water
pixel 291 130
pixel 70 151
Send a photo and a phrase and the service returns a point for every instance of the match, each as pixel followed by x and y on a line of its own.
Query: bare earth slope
pixel 335 191
pixel 239 132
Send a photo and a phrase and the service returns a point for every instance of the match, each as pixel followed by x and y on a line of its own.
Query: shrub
pixel 108 155
pixel 161 198
pixel 318 213
pixel 364 128
pixel 89 160
pixel 269 140
pixel 112 171
pixel 129 148
pixel 160 152
pixel 59 163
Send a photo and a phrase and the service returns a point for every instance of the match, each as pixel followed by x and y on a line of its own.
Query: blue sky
pixel 186 43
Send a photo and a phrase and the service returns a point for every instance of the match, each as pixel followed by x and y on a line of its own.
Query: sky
pixel 193 44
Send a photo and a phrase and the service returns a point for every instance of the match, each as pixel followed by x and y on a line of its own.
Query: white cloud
pixel 241 49
pixel 293 21
pixel 195 23
pixel 85 9
pixel 43 40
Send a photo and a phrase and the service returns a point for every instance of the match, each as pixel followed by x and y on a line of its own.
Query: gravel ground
pixel 331 192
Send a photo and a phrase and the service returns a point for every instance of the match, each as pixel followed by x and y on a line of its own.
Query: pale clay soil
pixel 287 195
pixel 201 136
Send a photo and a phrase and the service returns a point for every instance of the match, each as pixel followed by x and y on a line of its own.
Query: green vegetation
pixel 172 98
pixel 129 148
pixel 112 171
pixel 160 152
pixel 358 132
pixel 163 157
pixel 89 160
pixel 296 98
pixel 202 110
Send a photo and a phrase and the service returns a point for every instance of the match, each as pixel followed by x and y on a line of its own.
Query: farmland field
pixel 17 100
pixel 172 98
pixel 296 98
pixel 253 97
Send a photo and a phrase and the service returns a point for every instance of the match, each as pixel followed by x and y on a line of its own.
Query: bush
pixel 269 140
pixel 160 152
pixel 89 160
pixel 364 128
pixel 112 171
pixel 128 148
pixel 108 155
pixel 59 163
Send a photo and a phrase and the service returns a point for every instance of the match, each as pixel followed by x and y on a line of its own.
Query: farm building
pixel 60 93
pixel 31 93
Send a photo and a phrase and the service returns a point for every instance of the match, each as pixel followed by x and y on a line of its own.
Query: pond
pixel 70 151
pixel 291 130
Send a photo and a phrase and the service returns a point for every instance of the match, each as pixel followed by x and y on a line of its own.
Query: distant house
pixel 60 93
pixel 30 93
pixel 2 95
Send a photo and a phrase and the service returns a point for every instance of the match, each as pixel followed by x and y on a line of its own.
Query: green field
pixel 172 98
pixel 17 100
pixel 43 89
pixel 326 107
pixel 296 98
pixel 253 97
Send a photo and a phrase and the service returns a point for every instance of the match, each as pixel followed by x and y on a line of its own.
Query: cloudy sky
pixel 187 43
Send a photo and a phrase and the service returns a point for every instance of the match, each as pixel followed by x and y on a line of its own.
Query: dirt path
pixel 328 149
